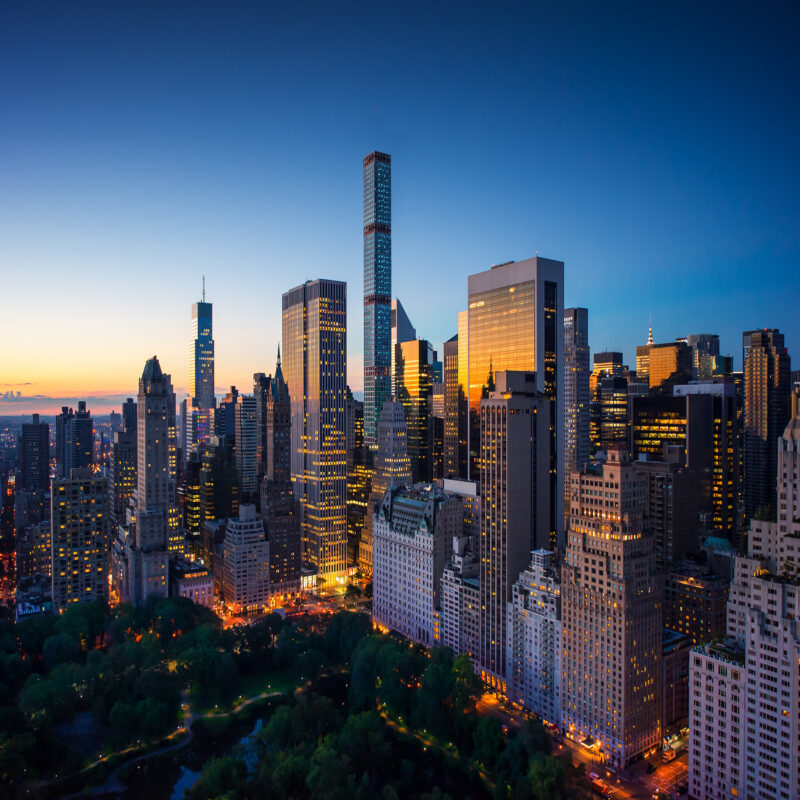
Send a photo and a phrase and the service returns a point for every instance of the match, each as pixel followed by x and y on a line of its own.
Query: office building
pixel 700 419
pixel 611 614
pixel 392 469
pixel 201 375
pixel 414 390
pixel 246 447
pixel 767 388
pixel 576 391
pixel 245 571
pixel 604 364
pixel 460 609
pixel 315 365
pixel 401 331
pixel 515 322
pixel 122 473
pixel 274 423
pixel 515 503
pixel 716 429
pixel 672 508
pixel 666 365
pixel 534 639
pixel 377 290
pixel 281 514
pixel 33 456
pixel 455 414
pixel 74 439
pixel 413 534
pixel 34 556
pixel 609 414
pixel 745 708
pixel 695 601
pixel 143 549
pixel 80 538
pixel 705 354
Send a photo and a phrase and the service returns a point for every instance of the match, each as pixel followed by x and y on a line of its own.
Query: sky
pixel 650 146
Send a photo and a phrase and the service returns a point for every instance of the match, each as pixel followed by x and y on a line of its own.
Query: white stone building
pixel 459 612
pixel 533 633
pixel 413 531
pixel 749 747
pixel 245 563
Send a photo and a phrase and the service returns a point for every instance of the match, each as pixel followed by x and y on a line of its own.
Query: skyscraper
pixel 705 351
pixel 767 387
pixel 80 532
pixel 377 288
pixel 246 447
pixel 141 554
pixel 576 392
pixel 315 365
pixel 611 605
pixel 515 322
pixel 34 456
pixel 455 415
pixel 414 389
pixel 515 503
pixel 402 331
pixel 201 372
pixel 392 468
pixel 744 712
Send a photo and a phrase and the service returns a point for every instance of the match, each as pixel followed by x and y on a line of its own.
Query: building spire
pixel 279 353
pixel 204 288
pixel 650 333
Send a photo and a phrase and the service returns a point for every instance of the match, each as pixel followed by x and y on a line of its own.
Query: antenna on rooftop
pixel 204 288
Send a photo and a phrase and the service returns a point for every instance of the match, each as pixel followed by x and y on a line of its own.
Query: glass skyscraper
pixel 515 321
pixel 315 368
pixel 201 373
pixel 377 289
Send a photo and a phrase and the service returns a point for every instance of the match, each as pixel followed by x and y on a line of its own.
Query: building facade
pixel 612 617
pixel 413 531
pixel 576 391
pixel 245 565
pixel 745 710
pixel 515 503
pixel 767 388
pixel 534 639
pixel 315 365
pixel 80 538
pixel 460 609
pixel 377 289
pixel 33 456
pixel 201 374
pixel 515 321
pixel 414 390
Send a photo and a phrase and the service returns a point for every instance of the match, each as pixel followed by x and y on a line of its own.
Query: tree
pixel 221 777
pixel 546 775
pixel 60 648
pixel 488 741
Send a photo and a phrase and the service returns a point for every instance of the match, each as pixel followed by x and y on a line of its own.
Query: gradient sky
pixel 652 147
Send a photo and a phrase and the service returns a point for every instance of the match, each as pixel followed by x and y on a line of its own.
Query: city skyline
pixel 613 165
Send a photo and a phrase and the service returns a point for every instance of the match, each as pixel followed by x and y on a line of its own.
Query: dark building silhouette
pixel 767 406
pixel 34 456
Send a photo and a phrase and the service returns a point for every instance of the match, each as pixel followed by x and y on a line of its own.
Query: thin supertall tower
pixel 201 371
pixel 377 289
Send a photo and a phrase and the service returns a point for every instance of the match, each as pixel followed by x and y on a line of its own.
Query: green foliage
pixel 219 778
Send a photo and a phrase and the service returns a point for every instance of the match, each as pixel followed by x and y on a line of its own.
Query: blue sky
pixel 652 147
